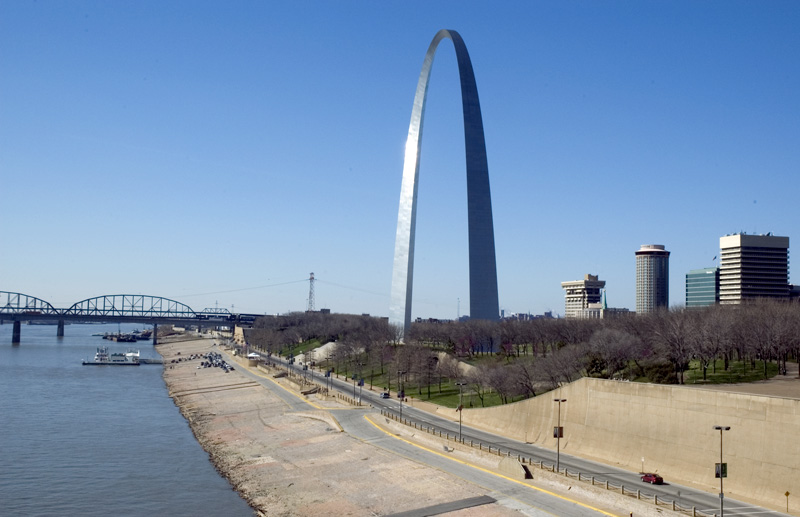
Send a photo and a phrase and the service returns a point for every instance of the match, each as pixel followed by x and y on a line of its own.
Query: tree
pixel 672 328
pixel 523 374
pixel 563 365
pixel 713 336
pixel 612 349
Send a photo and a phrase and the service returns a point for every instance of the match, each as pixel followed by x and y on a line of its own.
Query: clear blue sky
pixel 219 152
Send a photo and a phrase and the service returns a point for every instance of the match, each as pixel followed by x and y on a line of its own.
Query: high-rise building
pixel 580 293
pixel 652 278
pixel 753 266
pixel 702 287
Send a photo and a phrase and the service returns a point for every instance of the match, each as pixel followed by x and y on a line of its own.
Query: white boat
pixel 102 357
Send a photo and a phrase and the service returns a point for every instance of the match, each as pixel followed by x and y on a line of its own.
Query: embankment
pixel 671 427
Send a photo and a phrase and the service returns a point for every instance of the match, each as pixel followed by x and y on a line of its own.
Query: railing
pixel 626 491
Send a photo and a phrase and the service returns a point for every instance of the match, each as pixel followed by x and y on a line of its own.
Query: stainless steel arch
pixel 483 301
pixel 131 305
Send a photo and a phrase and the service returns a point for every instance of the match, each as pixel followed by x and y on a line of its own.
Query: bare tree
pixel 612 349
pixel 672 328
pixel 523 374
pixel 562 366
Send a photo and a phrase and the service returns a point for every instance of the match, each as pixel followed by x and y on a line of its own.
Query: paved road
pixel 684 496
pixel 510 493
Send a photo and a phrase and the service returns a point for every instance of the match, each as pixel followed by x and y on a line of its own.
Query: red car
pixel 653 479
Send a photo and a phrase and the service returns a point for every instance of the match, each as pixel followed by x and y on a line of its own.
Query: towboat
pixel 102 357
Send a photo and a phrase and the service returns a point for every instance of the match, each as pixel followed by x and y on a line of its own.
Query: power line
pixel 242 289
pixel 351 288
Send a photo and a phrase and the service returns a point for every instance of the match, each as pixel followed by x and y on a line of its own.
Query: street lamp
pixel 460 407
pixel 400 392
pixel 328 380
pixel 558 432
pixel 360 383
pixel 721 470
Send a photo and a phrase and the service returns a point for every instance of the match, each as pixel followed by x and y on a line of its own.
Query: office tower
pixel 580 293
pixel 753 266
pixel 702 287
pixel 652 278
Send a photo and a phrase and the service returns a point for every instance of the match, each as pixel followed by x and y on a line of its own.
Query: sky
pixel 217 153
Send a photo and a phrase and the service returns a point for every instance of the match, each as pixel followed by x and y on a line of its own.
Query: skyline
pixel 217 155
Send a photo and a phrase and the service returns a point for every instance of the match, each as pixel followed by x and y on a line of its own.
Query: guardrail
pixel 622 489
pixel 659 502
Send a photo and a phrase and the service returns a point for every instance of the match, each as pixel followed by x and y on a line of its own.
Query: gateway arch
pixel 483 300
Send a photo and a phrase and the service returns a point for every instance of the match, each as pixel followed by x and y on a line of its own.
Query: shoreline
pixel 289 459
pixel 288 462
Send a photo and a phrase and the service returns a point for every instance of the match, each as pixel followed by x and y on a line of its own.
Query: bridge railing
pixel 131 305
pixel 18 303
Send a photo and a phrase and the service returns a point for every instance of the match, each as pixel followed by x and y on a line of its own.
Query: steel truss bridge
pixel 116 308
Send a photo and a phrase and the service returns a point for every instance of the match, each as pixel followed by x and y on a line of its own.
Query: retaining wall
pixel 671 427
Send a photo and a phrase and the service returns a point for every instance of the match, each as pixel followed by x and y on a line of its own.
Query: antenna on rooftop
pixel 311 293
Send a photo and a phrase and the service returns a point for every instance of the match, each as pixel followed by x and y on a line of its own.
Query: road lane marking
pixel 496 474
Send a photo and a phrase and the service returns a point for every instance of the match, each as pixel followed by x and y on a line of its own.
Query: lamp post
pixel 357 374
pixel 400 392
pixel 558 432
pixel 460 406
pixel 328 381
pixel 721 470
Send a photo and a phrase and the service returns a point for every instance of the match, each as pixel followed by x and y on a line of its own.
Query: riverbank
pixel 286 462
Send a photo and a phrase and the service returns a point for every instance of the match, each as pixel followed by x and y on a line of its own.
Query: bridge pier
pixel 16 332
pixel 60 331
pixel 155 334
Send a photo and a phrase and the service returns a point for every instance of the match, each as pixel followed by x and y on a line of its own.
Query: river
pixel 97 440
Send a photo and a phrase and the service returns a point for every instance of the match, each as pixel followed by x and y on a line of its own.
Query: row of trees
pixel 522 358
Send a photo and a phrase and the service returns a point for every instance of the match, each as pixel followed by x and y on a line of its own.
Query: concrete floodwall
pixel 671 427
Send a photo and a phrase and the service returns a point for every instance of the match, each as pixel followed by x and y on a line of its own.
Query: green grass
pixel 302 348
pixel 448 394
pixel 738 371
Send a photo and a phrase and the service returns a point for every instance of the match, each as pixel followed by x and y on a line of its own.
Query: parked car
pixel 385 395
pixel 653 479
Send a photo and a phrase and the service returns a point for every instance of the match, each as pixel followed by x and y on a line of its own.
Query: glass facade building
pixel 702 287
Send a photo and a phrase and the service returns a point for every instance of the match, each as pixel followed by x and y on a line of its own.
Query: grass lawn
pixel 738 371
pixel 446 393
pixel 302 348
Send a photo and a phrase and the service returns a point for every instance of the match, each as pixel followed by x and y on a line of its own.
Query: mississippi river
pixel 97 440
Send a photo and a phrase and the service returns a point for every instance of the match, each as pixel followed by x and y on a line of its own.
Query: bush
pixel 660 372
